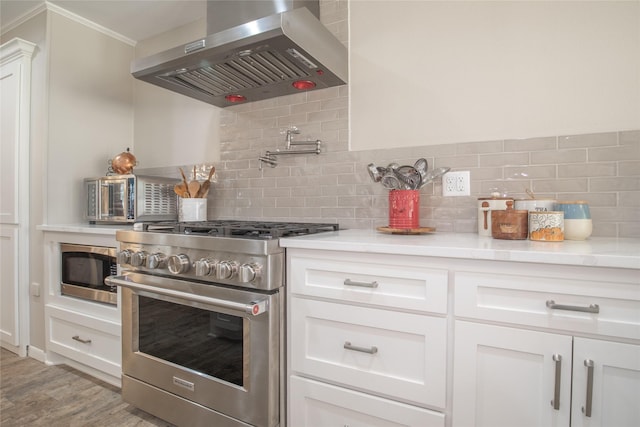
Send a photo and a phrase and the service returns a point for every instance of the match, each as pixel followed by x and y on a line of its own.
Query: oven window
pixel 204 341
pixel 85 269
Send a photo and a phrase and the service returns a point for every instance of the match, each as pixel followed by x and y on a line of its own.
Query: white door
pixel 506 377
pixel 606 384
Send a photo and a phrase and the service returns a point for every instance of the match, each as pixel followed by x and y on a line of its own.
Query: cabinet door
pixel 510 377
pixel 9 287
pixel 606 384
pixel 10 138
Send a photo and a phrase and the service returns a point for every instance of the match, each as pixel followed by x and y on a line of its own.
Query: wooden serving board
pixel 419 230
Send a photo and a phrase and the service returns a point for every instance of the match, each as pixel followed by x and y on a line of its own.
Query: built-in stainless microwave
pixel 122 199
pixel 84 270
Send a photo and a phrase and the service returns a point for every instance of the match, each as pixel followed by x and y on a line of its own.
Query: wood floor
pixel 33 394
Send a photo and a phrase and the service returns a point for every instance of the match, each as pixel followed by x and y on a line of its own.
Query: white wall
pixel 90 111
pixel 172 129
pixel 440 72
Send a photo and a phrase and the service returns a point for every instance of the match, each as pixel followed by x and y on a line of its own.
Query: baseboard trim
pixel 36 353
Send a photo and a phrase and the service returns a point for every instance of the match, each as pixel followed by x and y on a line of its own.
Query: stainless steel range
pixel 203 320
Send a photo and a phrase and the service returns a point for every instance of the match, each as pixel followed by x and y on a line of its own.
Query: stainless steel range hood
pixel 256 50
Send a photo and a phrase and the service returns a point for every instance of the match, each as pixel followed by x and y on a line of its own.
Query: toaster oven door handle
pixel 253 308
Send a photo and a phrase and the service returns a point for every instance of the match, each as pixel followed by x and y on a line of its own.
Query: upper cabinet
pixel 15 97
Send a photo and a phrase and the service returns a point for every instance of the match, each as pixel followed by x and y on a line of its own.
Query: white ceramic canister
pixel 577 219
pixel 546 226
pixel 192 209
pixel 535 205
pixel 485 206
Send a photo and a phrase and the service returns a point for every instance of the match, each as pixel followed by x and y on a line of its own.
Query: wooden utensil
pixel 181 190
pixel 184 182
pixel 204 188
pixel 194 185
pixel 485 209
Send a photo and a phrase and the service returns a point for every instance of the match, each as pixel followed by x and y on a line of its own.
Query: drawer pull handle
pixel 586 409
pixel 593 308
pixel 371 350
pixel 556 390
pixel 77 338
pixel 349 282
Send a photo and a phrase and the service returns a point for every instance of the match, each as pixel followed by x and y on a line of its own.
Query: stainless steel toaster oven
pixel 119 199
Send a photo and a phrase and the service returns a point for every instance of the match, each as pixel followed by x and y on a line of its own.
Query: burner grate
pixel 252 229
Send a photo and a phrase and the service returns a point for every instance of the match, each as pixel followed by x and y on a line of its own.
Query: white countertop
pixel 595 251
pixel 86 228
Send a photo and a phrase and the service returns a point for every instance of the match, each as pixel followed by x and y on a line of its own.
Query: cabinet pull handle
pixel 556 389
pixel 349 282
pixel 371 350
pixel 593 308
pixel 77 338
pixel 587 408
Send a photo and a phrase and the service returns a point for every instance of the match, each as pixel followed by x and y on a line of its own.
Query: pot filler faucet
pixel 270 156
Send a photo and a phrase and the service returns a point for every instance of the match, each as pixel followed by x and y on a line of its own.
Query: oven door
pixel 216 346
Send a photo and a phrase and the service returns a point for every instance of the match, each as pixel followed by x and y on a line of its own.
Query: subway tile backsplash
pixel 335 185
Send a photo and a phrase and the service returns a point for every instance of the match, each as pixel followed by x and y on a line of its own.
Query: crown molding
pixel 69 15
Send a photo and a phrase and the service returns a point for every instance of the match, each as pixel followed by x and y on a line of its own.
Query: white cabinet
pixel 80 333
pixel 537 347
pixel 606 384
pixel 318 404
pixel 9 321
pixel 367 340
pixel 15 101
pixel 508 377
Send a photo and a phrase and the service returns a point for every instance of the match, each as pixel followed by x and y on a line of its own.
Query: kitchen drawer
pixel 399 282
pixel 396 355
pixel 101 349
pixel 314 404
pixel 523 299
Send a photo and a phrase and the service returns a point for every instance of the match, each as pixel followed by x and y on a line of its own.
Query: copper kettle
pixel 123 163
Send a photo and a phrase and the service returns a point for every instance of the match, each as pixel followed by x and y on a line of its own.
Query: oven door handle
pixel 253 308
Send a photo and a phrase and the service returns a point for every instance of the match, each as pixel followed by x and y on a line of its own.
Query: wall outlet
pixel 456 183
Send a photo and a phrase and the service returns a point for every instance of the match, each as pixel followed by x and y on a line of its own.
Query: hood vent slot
pixel 251 71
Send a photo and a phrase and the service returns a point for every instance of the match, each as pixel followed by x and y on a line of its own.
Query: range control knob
pixel 205 266
pixel 178 264
pixel 156 260
pixel 249 272
pixel 138 258
pixel 124 257
pixel 226 269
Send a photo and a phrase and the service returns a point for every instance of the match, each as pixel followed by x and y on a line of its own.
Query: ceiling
pixel 134 19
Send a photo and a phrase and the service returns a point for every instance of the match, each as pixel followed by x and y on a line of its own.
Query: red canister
pixel 404 209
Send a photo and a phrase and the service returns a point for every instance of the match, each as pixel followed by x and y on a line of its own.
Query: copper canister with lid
pixel 510 224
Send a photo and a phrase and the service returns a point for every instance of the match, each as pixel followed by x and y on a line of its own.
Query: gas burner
pixel 252 229
pixel 242 229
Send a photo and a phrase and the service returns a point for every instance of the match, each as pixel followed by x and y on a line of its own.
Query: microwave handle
pixel 253 308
